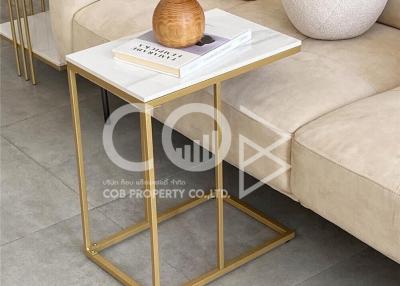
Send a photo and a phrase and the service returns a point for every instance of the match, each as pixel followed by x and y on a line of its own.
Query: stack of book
pixel 144 50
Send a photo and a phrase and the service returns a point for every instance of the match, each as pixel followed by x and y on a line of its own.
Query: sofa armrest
pixel 62 13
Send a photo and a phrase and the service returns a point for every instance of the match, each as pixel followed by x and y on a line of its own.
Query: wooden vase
pixel 178 23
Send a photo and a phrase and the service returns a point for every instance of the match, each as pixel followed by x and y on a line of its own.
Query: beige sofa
pixel 339 101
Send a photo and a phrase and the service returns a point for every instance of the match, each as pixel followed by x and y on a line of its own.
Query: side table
pixel 136 85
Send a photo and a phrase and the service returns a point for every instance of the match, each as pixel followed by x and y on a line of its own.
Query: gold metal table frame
pixel 93 249
pixel 21 5
pixel 21 38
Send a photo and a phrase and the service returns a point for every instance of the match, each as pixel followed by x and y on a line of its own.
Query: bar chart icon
pixel 193 153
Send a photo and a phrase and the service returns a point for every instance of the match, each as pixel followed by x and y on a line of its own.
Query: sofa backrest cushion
pixel 391 14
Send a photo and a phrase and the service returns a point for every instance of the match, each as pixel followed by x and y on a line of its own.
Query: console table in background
pixel 32 37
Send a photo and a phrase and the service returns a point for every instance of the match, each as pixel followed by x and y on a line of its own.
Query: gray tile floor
pixel 40 223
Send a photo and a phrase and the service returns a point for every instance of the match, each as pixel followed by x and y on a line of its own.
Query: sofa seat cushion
pixel 107 20
pixel 290 93
pixel 391 14
pixel 346 167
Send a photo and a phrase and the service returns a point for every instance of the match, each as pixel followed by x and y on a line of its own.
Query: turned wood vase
pixel 178 23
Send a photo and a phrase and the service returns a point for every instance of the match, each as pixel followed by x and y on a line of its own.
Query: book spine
pixel 127 60
pixel 211 56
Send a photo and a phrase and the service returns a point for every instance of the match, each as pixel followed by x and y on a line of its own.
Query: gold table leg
pixel 219 178
pixel 14 37
pixel 23 34
pixel 21 39
pixel 92 250
pixel 28 42
pixel 31 7
pixel 43 4
pixel 151 209
pixel 80 160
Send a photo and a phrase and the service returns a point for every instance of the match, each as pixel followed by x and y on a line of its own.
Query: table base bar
pixel 284 235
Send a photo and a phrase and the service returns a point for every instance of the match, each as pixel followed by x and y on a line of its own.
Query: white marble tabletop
pixel 146 85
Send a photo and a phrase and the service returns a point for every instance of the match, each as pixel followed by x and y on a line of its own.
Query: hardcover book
pixel 146 52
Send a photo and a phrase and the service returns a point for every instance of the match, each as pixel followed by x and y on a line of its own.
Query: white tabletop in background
pixel 147 85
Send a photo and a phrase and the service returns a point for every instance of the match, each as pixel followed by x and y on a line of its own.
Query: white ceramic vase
pixel 333 19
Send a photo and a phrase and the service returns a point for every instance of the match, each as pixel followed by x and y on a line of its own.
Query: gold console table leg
pixel 23 35
pixel 28 42
pixel 31 8
pixel 219 178
pixel 80 160
pixel 152 218
pixel 21 39
pixel 151 206
pixel 43 5
pixel 14 37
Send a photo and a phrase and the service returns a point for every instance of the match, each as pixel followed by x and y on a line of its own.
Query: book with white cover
pixel 144 50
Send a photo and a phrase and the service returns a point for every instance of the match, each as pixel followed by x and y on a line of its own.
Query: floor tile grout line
pixel 33 116
pixel 43 228
pixel 39 164
pixel 98 208
pixel 365 248
pixel 53 109
pixel 11 241
pixel 176 269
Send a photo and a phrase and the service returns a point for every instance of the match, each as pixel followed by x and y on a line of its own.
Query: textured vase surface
pixel 333 20
pixel 178 23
